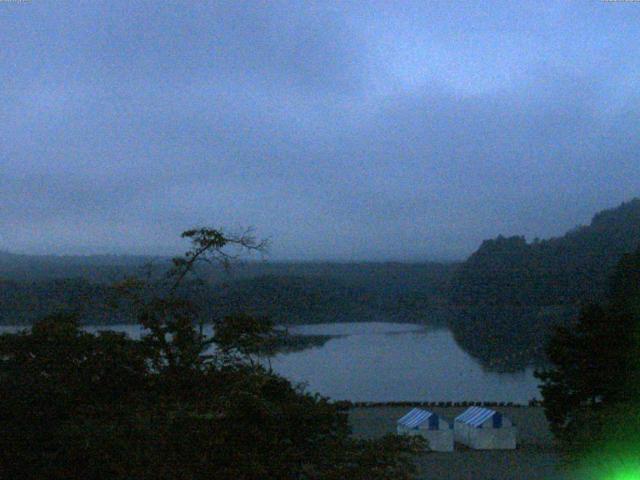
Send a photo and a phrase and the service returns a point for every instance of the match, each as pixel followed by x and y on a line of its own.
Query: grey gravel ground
pixel 534 459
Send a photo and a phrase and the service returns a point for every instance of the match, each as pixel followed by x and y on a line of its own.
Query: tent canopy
pixel 476 416
pixel 417 417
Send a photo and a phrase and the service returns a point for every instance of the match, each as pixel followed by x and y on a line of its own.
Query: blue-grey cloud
pixel 339 130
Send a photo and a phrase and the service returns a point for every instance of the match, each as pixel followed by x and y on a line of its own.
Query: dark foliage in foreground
pixel 592 393
pixel 83 406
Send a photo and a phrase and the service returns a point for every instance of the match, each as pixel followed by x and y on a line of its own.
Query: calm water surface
pixel 384 362
pixel 398 362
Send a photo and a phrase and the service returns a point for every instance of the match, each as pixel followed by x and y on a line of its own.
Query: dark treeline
pixel 558 271
pixel 31 287
pixel 509 293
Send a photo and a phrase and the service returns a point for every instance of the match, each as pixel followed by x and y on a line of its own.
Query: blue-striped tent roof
pixel 415 418
pixel 475 416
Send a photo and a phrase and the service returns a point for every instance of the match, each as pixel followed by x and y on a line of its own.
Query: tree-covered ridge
pixel 291 299
pixel 509 293
pixel 565 270
pixel 387 290
pixel 286 292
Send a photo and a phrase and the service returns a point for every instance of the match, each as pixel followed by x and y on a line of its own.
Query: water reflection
pixel 398 362
pixel 382 362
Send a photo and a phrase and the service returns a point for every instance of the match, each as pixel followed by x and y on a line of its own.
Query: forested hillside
pixel 571 268
pixel 31 287
pixel 509 291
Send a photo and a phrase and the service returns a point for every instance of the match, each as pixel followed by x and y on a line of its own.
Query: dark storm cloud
pixel 339 130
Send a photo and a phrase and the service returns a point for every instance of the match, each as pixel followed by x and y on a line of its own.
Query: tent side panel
pixel 440 440
pixel 493 438
pixel 461 433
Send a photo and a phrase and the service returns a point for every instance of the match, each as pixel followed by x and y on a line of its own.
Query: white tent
pixel 485 429
pixel 437 431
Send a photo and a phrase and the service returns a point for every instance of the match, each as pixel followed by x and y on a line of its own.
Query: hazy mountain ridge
pixel 97 268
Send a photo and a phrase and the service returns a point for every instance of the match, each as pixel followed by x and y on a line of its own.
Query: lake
pixel 384 362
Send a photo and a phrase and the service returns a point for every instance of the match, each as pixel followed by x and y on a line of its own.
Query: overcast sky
pixel 347 130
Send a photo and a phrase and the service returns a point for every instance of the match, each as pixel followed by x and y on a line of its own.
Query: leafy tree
pixel 83 406
pixel 243 337
pixel 53 376
pixel 596 372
